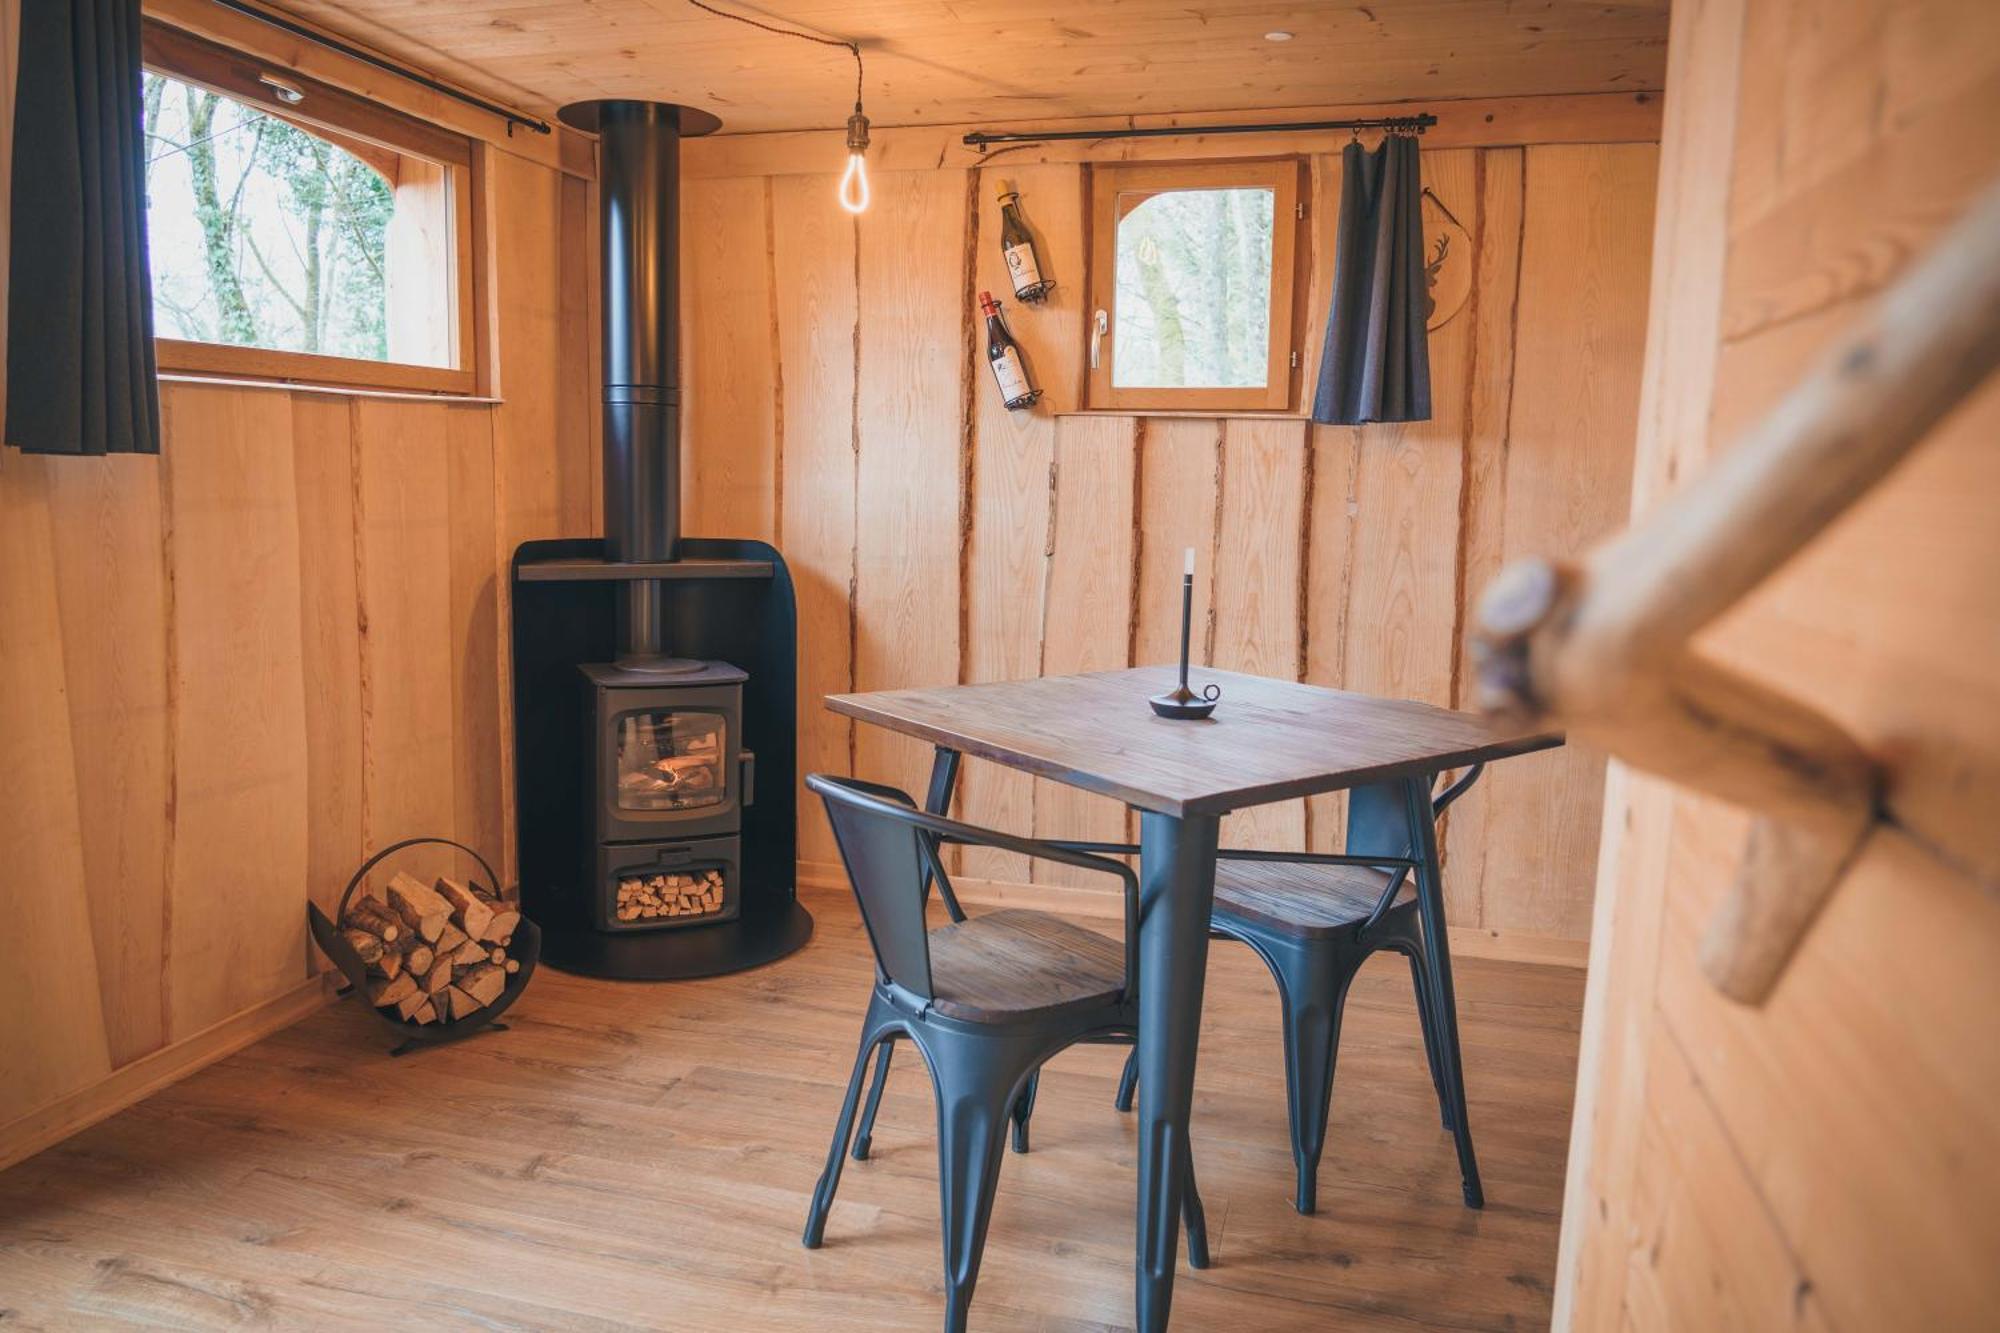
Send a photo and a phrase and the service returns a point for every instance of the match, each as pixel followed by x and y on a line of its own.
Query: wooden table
pixel 1269 740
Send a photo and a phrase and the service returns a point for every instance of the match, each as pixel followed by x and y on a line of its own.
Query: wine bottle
pixel 1017 246
pixel 1004 355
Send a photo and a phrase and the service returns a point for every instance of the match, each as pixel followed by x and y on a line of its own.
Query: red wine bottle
pixel 1017 247
pixel 1004 355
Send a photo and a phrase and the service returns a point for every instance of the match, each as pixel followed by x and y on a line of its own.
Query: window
pixel 298 232
pixel 1191 284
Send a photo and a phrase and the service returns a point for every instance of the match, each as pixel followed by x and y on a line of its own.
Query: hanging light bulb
pixel 854 185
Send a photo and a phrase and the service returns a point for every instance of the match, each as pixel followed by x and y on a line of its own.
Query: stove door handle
pixel 747 777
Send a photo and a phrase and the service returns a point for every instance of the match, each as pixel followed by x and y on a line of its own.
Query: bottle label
pixel 1013 379
pixel 1021 264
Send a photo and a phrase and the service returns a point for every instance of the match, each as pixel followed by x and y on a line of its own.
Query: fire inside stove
pixel 671 760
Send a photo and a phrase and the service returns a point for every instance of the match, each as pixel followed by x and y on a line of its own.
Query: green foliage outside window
pixel 1194 290
pixel 261 234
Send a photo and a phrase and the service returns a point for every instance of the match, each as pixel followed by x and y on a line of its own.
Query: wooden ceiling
pixel 1011 61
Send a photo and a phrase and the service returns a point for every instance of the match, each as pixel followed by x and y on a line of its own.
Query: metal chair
pixel 987 1001
pixel 1314 919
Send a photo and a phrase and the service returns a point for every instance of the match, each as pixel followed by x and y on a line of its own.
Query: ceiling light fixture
pixel 854 194
pixel 1277 35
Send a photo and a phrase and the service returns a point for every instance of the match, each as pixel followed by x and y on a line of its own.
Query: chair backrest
pixel 889 847
pixel 1376 822
pixel 886 859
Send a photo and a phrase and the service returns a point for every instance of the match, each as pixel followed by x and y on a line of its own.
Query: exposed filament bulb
pixel 854 184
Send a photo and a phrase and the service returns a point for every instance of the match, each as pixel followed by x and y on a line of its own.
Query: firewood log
pixel 513 965
pixel 468 910
pixel 367 945
pixel 410 1003
pixel 469 954
pixel 448 942
pixel 420 959
pixel 426 1013
pixel 390 964
pixel 420 906
pixel 438 977
pixel 373 917
pixel 458 1002
pixel 505 919
pixel 483 983
pixel 498 955
pixel 388 992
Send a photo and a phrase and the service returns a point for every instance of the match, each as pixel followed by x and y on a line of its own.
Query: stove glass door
pixel 671 759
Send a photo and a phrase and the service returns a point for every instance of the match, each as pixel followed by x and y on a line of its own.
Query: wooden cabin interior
pixel 455 354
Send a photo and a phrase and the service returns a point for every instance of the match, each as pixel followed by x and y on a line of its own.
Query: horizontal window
pixel 298 232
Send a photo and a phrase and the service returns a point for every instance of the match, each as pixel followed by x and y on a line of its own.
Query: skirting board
pixel 55 1121
pixel 1506 946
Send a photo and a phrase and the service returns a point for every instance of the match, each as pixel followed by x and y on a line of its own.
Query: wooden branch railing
pixel 1602 648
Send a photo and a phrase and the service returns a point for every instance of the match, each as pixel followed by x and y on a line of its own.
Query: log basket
pixel 525 949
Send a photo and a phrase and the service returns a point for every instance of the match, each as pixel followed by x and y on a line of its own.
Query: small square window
pixel 297 232
pixel 1192 286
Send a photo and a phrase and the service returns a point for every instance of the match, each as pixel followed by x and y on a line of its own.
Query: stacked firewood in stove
pixel 434 953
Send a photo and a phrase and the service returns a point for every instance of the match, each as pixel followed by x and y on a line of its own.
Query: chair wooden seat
pixel 1013 962
pixel 1300 898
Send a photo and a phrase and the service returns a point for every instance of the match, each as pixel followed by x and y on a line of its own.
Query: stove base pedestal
pixel 677 955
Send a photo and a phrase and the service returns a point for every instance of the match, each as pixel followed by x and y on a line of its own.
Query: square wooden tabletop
pixel 1269 740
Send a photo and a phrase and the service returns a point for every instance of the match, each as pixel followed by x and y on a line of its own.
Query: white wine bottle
pixel 1017 246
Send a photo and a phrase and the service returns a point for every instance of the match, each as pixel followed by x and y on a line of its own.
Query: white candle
pixel 1189 570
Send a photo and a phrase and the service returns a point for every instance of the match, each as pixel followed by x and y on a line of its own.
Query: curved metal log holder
pixel 1603 648
pixel 525 949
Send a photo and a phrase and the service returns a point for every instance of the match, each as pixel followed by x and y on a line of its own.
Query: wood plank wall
pixel 230 669
pixel 1825 1162
pixel 838 401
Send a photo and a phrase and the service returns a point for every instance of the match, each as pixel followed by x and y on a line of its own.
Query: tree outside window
pixel 262 234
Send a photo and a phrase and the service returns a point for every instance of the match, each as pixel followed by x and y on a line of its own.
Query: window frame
pixel 355 124
pixel 1285 177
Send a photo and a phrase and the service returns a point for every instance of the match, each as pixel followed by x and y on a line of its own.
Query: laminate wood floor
pixel 640 1156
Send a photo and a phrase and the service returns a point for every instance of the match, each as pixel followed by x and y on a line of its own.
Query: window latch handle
pixel 1100 326
pixel 285 91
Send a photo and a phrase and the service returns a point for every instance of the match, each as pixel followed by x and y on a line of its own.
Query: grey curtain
pixel 1376 363
pixel 80 371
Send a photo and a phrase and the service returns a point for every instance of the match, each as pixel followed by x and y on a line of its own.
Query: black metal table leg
pixel 1176 892
pixel 1430 904
pixel 937 801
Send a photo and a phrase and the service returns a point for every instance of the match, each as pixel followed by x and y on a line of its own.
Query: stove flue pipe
pixel 638 188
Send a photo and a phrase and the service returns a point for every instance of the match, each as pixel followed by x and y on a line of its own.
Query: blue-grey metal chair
pixel 987 1000
pixel 1314 919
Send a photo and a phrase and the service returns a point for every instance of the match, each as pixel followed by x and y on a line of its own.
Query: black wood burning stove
pixel 653 676
pixel 671 781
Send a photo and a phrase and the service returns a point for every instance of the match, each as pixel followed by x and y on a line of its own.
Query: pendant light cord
pixel 851 47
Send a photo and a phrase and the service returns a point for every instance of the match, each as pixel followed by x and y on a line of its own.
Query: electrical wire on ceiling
pixel 854 184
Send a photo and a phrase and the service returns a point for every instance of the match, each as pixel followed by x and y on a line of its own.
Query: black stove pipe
pixel 638 186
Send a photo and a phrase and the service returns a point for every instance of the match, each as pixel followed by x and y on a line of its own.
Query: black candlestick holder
pixel 1182 702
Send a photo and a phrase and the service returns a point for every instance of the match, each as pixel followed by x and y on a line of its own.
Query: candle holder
pixel 1182 702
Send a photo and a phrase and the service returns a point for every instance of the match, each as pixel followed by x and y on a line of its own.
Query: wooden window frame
pixel 1285 177
pixel 359 126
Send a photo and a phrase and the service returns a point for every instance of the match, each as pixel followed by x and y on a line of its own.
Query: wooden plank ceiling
pixel 993 61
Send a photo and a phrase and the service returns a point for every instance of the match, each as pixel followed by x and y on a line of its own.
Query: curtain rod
pixel 1418 123
pixel 367 57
